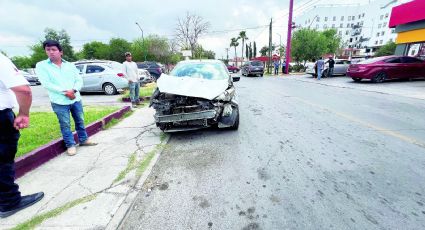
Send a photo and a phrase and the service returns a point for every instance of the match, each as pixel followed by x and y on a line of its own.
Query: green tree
pixel 201 53
pixel 22 62
pixel 64 39
pixel 255 50
pixel 264 51
pixel 387 49
pixel 242 35
pixel 117 49
pixel 308 44
pixel 234 42
pixel 95 50
pixel 333 41
pixel 38 54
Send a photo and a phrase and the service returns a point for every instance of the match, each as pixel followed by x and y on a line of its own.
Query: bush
pixel 297 68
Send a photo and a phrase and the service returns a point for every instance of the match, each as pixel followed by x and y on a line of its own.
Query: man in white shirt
pixel 14 90
pixel 131 72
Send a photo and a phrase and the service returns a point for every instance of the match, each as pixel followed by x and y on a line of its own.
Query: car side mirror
pixel 236 78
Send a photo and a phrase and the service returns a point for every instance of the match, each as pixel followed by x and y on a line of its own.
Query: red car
pixel 388 67
pixel 232 69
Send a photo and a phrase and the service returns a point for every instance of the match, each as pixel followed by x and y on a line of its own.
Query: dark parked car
pixel 252 68
pixel 232 69
pixel 154 68
pixel 388 67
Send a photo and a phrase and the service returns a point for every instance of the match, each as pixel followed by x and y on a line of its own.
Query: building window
pixel 380 42
pixel 318 19
pixel 391 40
pixel 385 24
pixel 360 16
pixel 348 25
pixel 334 18
pixel 341 25
pixel 349 18
pixel 382 17
pixel 376 42
pixel 377 34
pixel 326 19
pixel 379 26
pixel 342 18
pixel 386 15
pixel 393 31
pixel 340 33
pixel 317 26
pixel 351 39
pixel 382 33
pixel 308 20
pixel 333 26
pixel 325 26
pixel 346 32
pixel 353 17
pixel 363 15
pixel 356 38
pixel 352 25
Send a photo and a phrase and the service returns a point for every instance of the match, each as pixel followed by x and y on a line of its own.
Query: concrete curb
pixel 41 155
pixel 122 213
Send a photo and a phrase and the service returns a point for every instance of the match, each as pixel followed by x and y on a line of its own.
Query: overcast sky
pixel 23 22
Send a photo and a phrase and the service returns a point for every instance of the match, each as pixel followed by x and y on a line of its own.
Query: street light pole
pixel 288 43
pixel 143 39
pixel 280 47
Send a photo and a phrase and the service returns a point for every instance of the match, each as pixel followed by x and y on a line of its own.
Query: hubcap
pixel 109 89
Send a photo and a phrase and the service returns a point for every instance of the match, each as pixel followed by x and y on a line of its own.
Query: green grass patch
pixel 132 163
pixel 44 127
pixel 145 91
pixel 145 162
pixel 32 223
pixel 115 121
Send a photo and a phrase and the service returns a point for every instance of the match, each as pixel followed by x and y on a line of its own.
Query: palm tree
pixel 234 42
pixel 242 35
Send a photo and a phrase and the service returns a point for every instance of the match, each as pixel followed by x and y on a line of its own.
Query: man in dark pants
pixel 14 90
pixel 331 62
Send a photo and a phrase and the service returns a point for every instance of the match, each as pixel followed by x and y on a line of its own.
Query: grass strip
pixel 115 121
pixel 44 127
pixel 132 163
pixel 33 222
pixel 145 91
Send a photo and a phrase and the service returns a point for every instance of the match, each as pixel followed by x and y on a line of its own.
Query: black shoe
pixel 26 201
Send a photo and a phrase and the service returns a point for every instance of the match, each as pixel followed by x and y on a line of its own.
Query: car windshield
pixel 210 71
pixel 256 63
pixel 371 60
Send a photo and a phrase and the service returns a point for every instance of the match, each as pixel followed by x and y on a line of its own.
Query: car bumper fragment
pixel 207 114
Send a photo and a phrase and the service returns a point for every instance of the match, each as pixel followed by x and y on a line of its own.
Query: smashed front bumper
pixel 202 115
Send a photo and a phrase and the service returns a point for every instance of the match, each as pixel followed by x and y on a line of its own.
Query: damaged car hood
pixel 192 87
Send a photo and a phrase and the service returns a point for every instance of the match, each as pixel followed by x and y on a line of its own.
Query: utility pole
pixel 280 49
pixel 227 55
pixel 288 43
pixel 143 39
pixel 270 46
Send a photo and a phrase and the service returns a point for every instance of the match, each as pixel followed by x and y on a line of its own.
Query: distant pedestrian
pixel 331 62
pixel 63 83
pixel 284 67
pixel 131 72
pixel 320 65
pixel 315 67
pixel 14 90
pixel 276 67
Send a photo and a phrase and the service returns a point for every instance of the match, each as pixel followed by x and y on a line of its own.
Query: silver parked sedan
pixel 102 76
pixel 340 68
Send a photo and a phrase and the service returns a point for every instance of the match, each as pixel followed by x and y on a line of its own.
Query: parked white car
pixel 340 68
pixel 102 76
pixel 145 77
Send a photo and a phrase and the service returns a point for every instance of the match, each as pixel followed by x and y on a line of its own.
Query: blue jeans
pixel 134 92
pixel 319 73
pixel 76 110
pixel 9 136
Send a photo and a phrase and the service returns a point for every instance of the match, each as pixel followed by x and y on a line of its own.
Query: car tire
pixel 379 78
pixel 235 126
pixel 356 79
pixel 109 89
pixel 325 73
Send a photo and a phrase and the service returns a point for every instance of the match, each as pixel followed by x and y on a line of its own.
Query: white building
pixel 363 28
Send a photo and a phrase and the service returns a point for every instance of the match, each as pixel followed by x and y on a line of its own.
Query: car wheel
pixel 379 78
pixel 109 89
pixel 235 126
pixel 356 79
pixel 325 73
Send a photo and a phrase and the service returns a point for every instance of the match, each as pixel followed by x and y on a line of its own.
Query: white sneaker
pixel 71 151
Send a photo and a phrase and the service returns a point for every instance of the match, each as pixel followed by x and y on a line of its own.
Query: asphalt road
pixel 306 156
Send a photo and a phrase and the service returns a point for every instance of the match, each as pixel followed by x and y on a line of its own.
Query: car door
pixel 94 77
pixel 393 67
pixel 82 71
pixel 413 67
pixel 339 67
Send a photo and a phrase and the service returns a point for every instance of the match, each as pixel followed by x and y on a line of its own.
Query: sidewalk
pixel 93 189
pixel 412 89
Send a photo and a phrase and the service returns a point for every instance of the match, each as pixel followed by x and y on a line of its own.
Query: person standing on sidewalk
pixel 14 89
pixel 320 65
pixel 131 72
pixel 331 62
pixel 276 67
pixel 63 82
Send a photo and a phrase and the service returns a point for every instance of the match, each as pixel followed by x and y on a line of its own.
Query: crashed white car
pixel 197 94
